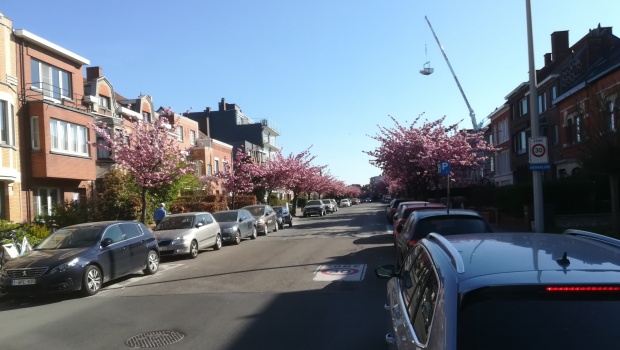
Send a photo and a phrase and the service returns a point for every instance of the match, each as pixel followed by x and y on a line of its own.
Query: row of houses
pixel 572 76
pixel 49 99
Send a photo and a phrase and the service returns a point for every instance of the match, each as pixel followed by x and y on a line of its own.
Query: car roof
pixel 519 258
pixel 194 213
pixel 255 206
pixel 421 214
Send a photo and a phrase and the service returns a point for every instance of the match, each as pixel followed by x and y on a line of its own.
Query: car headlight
pixel 230 229
pixel 178 240
pixel 261 221
pixel 64 267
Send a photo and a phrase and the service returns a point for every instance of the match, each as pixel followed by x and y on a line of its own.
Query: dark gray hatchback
pixel 82 257
pixel 506 291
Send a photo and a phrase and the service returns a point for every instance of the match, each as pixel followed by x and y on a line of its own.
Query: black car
pixel 284 216
pixel 82 257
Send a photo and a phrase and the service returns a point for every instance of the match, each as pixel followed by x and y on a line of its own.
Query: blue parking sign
pixel 444 168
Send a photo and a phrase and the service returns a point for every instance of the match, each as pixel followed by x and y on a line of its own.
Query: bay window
pixel 69 138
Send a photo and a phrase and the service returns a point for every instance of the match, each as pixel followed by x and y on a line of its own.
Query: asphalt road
pixel 311 286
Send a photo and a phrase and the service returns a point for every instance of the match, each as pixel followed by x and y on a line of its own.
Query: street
pixel 311 286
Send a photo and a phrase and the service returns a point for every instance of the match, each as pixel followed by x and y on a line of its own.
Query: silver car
pixel 236 224
pixel 187 233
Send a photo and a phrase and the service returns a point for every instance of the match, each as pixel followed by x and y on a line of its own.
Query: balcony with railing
pixel 272 128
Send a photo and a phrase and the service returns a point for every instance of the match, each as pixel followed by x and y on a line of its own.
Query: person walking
pixel 160 213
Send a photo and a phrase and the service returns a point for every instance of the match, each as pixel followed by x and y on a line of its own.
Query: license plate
pixel 23 282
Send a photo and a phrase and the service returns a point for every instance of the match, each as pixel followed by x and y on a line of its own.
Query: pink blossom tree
pixel 240 178
pixel 409 155
pixel 147 151
pixel 300 174
pixel 275 173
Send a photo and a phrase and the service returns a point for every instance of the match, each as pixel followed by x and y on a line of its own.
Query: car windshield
pixel 314 203
pixel 176 223
pixel 489 319
pixel 278 210
pixel 326 201
pixel 78 237
pixel 225 216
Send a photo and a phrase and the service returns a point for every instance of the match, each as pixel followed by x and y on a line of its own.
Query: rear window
pixel 447 226
pixel 314 203
pixel 527 317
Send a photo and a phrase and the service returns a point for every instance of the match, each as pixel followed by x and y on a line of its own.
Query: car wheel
pixel 91 282
pixel 218 242
pixel 281 225
pixel 152 263
pixel 254 233
pixel 237 238
pixel 193 250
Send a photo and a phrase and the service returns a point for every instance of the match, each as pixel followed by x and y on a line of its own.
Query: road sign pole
pixel 448 187
pixel 539 224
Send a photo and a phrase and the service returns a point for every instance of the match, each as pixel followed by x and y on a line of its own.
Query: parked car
pixel 265 216
pixel 314 207
pixel 445 222
pixel 187 234
pixel 82 257
pixel 284 217
pixel 505 291
pixel 355 201
pixel 334 203
pixel 345 202
pixel 367 200
pixel 386 199
pixel 329 206
pixel 406 208
pixel 391 208
pixel 236 225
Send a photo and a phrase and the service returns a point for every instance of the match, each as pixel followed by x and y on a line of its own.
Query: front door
pixel 116 257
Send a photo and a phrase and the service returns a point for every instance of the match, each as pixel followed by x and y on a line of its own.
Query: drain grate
pixel 154 339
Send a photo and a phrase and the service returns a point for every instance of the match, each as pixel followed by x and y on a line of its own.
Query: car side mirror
pixel 106 242
pixel 386 271
pixel 198 225
pixel 399 228
pixel 240 219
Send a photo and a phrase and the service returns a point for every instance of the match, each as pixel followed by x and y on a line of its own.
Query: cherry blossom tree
pixel 300 174
pixel 147 151
pixel 275 173
pixel 409 155
pixel 239 179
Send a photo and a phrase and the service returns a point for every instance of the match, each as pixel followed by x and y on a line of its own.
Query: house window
pixel 102 153
pixel 503 163
pixel 209 169
pixel 502 132
pixel 192 137
pixel 217 166
pixel 44 200
pixel 34 132
pixel 578 129
pixel 104 102
pixel 612 115
pixel 52 81
pixel 147 116
pixel 523 105
pixel 542 102
pixel 554 92
pixel 7 127
pixel 68 137
pixel 179 132
pixel 521 142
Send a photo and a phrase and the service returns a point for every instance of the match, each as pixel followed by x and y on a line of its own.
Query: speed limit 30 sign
pixel 538 150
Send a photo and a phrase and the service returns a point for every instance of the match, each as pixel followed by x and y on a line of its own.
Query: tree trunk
pixel 143 211
pixel 294 203
pixel 615 205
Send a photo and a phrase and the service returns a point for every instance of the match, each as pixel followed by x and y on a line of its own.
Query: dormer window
pixel 147 116
pixel 104 102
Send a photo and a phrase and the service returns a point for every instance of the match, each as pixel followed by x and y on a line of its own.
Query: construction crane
pixel 471 111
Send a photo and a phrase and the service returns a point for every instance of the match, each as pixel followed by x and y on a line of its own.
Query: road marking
pixel 349 273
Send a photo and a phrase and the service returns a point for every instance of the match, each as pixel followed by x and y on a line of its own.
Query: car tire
pixel 193 250
pixel 254 233
pixel 281 226
pixel 218 242
pixel 91 281
pixel 237 240
pixel 152 263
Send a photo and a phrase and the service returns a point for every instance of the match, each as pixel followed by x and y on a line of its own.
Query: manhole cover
pixel 154 339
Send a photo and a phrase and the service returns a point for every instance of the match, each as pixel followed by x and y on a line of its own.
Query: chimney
pixel 559 45
pixel 547 59
pixel 93 73
pixel 222 106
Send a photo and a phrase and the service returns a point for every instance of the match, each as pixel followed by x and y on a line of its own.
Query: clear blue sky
pixel 325 72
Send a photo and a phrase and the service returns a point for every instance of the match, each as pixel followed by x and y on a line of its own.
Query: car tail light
pixel 412 242
pixel 583 289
